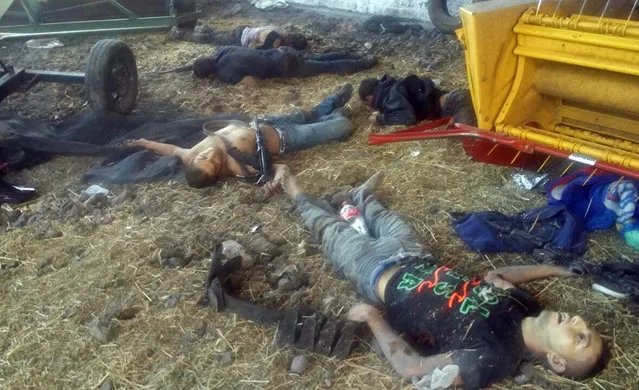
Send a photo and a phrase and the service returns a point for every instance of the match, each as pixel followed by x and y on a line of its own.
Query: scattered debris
pixel 263 247
pixel 224 358
pixel 172 300
pixel 107 385
pixel 327 377
pixel 289 279
pixel 525 373
pixel 231 249
pixel 299 364
pixel 45 43
pixel 526 180
pixel 101 329
pixel 9 265
pixel 268 5
pixel 96 189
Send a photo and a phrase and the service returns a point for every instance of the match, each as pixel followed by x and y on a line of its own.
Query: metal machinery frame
pixel 11 80
pixel 110 80
pixel 484 146
pixel 178 12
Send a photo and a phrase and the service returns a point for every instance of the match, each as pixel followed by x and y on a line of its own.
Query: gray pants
pixel 361 258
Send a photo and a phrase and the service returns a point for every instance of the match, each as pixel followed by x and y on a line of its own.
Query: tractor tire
pixel 111 80
pixel 441 17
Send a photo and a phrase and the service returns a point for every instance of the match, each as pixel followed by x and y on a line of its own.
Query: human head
pixel 204 67
pixel 296 41
pixel 273 40
pixel 203 170
pixel 565 343
pixel 366 89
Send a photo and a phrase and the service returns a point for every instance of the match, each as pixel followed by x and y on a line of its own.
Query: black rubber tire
pixel 441 17
pixel 106 57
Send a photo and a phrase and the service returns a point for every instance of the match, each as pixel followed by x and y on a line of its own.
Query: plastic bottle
pixel 351 215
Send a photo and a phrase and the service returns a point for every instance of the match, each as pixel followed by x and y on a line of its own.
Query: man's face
pixel 569 337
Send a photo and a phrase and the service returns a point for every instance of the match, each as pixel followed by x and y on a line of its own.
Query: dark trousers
pixel 329 63
pixel 207 35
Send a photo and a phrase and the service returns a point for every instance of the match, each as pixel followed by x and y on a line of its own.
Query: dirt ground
pixel 134 263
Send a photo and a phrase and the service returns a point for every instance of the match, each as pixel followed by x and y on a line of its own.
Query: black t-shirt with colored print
pixel 438 310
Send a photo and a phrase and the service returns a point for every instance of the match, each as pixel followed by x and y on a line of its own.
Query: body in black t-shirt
pixel 438 310
pixel 233 63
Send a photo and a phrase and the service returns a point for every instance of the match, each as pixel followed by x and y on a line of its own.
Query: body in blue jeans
pixel 305 129
pixel 362 258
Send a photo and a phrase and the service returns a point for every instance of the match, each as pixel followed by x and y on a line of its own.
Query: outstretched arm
pixel 162 149
pixel 402 357
pixel 508 277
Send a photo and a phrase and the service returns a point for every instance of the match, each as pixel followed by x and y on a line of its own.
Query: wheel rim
pixel 121 81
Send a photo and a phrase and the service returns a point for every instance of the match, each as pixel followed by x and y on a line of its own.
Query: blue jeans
pixel 302 130
pixel 362 258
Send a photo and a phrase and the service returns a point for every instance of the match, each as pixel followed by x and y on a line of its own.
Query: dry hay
pixel 108 261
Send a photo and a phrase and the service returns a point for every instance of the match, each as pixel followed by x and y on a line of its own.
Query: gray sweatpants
pixel 361 258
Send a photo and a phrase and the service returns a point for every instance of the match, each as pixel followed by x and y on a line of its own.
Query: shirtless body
pixel 240 137
pixel 215 156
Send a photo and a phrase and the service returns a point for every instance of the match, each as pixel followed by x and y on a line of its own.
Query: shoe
pixel 618 280
pixel 12 194
pixel 343 95
pixel 343 111
pixel 370 62
pixel 176 33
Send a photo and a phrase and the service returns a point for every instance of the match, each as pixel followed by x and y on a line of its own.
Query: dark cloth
pixel 550 226
pixel 233 63
pixel 406 101
pixel 585 192
pixel 26 142
pixel 438 310
pixel 459 105
pixel 208 35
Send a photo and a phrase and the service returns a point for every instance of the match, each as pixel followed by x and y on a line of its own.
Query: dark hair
pixel 296 41
pixel 366 88
pixel 270 40
pixel 197 178
pixel 204 67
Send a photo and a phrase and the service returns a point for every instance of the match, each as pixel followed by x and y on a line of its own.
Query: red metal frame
pixel 525 154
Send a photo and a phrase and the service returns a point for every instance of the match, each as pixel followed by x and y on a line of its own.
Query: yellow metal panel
pixel 489 43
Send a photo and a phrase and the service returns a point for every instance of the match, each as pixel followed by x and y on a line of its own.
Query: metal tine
pixel 556 8
pixel 604 11
pixel 581 11
pixel 631 12
pixel 538 6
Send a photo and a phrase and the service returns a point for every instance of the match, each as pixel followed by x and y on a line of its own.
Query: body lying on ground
pixel 412 99
pixel 233 150
pixel 260 37
pixel 232 64
pixel 484 327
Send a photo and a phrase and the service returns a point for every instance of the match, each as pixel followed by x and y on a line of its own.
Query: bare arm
pixel 274 186
pixel 402 357
pixel 162 149
pixel 508 277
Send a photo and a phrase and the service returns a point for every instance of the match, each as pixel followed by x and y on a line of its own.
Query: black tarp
pixel 26 142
